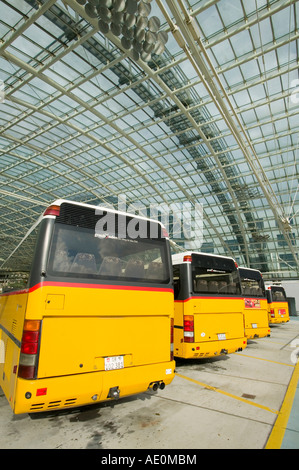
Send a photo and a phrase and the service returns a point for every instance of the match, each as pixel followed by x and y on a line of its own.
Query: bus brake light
pixel 187 259
pixel 29 349
pixel 165 234
pixel 188 328
pixel 272 313
pixel 52 210
pixel 171 338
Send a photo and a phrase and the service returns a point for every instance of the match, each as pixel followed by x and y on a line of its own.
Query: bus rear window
pixel 278 294
pixel 215 276
pixel 252 287
pixel 77 252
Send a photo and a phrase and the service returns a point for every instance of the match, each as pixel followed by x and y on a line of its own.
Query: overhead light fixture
pixel 129 19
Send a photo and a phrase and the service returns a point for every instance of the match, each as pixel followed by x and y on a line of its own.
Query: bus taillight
pixel 272 313
pixel 29 349
pixel 188 328
pixel 52 210
pixel 171 338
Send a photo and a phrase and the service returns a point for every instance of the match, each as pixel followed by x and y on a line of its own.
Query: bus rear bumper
pixel 212 348
pixel 278 320
pixel 257 332
pixel 84 389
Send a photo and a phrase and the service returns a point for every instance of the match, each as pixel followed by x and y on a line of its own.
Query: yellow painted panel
pixel 278 318
pixel 55 302
pixel 256 319
pixel 212 317
pixel 74 345
pixel 208 326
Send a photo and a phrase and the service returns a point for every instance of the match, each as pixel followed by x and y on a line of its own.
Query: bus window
pixel 255 303
pixel 279 296
pixel 16 269
pixel 95 321
pixel 15 281
pixel 215 281
pixel 122 259
pixel 176 281
pixel 208 317
pixel 278 307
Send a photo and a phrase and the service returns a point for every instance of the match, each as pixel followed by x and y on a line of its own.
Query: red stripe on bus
pixel 98 286
pixel 15 292
pixel 210 297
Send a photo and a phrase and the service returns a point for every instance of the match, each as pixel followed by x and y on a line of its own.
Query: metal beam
pixel 186 32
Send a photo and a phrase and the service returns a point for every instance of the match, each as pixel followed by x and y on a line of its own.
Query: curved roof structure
pixel 187 108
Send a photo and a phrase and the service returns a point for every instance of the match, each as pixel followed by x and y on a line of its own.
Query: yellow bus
pixel 255 303
pixel 278 307
pixel 86 312
pixel 208 313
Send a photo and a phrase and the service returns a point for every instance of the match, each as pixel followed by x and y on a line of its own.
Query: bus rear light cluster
pixel 188 329
pixel 272 313
pixel 29 349
pixel 165 234
pixel 52 210
pixel 171 338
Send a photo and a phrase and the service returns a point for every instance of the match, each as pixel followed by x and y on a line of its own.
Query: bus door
pixel 13 305
pixel 12 313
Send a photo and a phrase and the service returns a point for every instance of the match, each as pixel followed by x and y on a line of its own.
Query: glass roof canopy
pixel 208 128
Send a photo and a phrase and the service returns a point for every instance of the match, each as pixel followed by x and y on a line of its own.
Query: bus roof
pixel 250 273
pixel 275 286
pixel 58 202
pixel 249 269
pixel 178 258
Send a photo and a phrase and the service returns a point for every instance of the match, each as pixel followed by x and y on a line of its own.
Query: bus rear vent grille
pixel 53 404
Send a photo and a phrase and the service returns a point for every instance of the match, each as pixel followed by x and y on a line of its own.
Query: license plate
pixel 221 336
pixel 254 325
pixel 114 362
